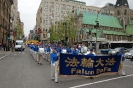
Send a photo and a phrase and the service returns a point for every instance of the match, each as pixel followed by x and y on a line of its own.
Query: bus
pixel 107 46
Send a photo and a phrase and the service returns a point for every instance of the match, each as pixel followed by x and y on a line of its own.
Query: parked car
pixel 129 55
pixel 105 51
pixel 116 51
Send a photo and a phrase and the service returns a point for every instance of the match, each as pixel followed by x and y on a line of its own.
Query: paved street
pixel 19 70
pixel 4 53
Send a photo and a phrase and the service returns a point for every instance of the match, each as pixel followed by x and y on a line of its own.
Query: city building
pixel 117 27
pixel 5 17
pixel 14 16
pixel 16 26
pixel 31 35
pixel 18 31
pixel 51 11
pixel 112 22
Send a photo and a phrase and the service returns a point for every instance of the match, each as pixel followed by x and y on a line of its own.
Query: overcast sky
pixel 28 9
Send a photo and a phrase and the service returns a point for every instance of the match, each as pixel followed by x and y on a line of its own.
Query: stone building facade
pixel 14 17
pixel 5 16
pixel 51 11
pixel 120 15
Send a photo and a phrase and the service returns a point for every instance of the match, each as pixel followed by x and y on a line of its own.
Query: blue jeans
pixel 21 49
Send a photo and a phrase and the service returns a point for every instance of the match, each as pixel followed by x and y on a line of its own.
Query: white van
pixel 18 45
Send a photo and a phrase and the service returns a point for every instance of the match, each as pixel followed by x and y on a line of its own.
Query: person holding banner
pixel 91 54
pixel 121 53
pixel 54 65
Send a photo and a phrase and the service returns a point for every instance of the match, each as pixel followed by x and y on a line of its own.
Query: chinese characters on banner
pixel 88 65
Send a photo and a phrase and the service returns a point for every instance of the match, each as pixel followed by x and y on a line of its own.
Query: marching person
pixel 69 50
pixel 0 46
pixel 54 65
pixel 121 53
pixel 83 48
pixel 79 48
pixel 12 46
pixel 91 54
pixel 75 52
pixel 40 55
pixel 36 52
pixel 48 53
pixel 64 50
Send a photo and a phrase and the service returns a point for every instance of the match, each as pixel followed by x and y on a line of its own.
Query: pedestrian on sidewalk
pixel 4 46
pixel 12 47
pixel 0 46
pixel 21 48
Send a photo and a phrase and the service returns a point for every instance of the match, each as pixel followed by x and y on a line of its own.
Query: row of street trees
pixel 18 31
pixel 64 29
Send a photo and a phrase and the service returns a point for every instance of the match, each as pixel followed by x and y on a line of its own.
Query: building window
pixel 118 12
pixel 44 36
pixel 125 13
pixel 3 22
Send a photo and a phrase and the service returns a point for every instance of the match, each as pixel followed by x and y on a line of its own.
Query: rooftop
pixel 104 20
pixel 129 28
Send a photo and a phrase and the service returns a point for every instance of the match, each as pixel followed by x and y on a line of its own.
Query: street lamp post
pixel 96 26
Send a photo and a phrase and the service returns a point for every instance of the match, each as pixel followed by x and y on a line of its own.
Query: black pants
pixel 4 48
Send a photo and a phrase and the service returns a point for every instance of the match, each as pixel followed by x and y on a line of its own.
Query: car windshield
pixel 131 51
pixel 117 49
pixel 19 43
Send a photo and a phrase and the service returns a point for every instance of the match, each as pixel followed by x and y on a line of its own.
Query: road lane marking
pixel 129 66
pixel 129 61
pixel 4 56
pixel 101 81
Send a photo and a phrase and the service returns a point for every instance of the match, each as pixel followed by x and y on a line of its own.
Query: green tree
pixel 62 29
pixel 19 30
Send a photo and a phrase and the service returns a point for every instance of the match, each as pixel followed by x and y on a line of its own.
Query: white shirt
pixel 64 51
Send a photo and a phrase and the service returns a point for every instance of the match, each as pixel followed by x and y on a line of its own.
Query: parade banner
pixel 88 65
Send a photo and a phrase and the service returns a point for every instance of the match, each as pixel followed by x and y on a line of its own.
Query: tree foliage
pixel 19 30
pixel 63 28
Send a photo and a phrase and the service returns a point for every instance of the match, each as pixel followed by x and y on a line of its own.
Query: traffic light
pixel 89 32
pixel 97 24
